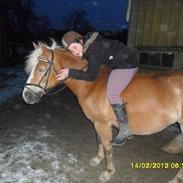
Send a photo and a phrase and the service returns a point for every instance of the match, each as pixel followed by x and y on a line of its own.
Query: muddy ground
pixel 52 142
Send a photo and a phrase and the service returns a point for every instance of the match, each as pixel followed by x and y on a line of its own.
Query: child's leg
pixel 117 82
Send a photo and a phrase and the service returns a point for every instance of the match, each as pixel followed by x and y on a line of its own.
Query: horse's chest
pixel 90 112
pixel 98 111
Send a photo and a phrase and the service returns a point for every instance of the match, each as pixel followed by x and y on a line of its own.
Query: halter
pixel 47 73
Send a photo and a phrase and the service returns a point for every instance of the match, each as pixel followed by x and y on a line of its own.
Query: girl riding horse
pixel 111 53
pixel 157 103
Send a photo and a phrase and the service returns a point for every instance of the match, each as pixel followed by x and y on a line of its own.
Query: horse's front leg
pixel 95 161
pixel 105 133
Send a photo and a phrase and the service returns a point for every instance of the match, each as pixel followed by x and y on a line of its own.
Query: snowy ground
pixel 29 158
pixel 52 142
pixel 12 84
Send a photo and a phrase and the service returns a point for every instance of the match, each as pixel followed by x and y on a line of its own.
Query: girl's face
pixel 76 49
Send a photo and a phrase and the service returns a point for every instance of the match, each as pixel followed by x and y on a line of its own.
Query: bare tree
pixel 78 21
pixel 19 26
pixel 22 19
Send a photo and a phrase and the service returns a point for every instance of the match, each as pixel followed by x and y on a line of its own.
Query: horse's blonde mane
pixel 32 60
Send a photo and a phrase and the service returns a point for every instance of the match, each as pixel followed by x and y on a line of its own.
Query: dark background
pixel 25 21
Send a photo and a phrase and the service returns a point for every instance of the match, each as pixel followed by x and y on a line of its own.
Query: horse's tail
pixel 175 146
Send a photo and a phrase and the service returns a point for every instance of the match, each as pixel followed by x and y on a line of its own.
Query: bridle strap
pixel 47 73
pixel 32 84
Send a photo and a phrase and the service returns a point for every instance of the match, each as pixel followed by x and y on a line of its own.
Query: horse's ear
pixel 36 46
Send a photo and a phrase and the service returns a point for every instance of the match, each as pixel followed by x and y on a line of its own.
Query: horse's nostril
pixel 40 94
pixel 29 96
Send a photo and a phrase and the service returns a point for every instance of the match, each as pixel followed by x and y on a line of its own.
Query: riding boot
pixel 122 119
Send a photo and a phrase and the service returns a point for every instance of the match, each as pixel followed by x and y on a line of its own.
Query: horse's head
pixel 42 65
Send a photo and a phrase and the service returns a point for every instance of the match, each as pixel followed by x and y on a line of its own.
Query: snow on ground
pixel 34 155
pixel 14 85
pixel 30 158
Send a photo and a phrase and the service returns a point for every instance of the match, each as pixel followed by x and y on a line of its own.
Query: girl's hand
pixel 64 73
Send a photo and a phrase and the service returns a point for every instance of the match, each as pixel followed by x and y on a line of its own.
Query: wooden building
pixel 156 32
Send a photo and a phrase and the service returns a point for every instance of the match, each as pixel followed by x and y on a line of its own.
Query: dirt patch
pixel 5 75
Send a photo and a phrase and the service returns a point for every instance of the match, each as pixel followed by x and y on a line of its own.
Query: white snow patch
pixel 43 132
pixel 31 159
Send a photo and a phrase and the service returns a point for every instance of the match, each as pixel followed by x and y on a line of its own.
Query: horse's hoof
pixel 175 146
pixel 105 176
pixel 95 162
pixel 172 181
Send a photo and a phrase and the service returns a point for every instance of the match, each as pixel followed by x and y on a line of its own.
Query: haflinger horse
pixel 153 101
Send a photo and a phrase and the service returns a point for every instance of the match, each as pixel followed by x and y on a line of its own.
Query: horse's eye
pixel 42 69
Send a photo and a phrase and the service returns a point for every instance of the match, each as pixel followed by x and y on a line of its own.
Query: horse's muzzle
pixel 31 97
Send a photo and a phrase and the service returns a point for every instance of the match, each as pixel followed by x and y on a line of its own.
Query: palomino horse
pixel 153 102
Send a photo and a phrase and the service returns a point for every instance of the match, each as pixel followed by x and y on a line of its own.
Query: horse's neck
pixel 78 87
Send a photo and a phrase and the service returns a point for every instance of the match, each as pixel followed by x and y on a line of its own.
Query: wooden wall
pixel 156 23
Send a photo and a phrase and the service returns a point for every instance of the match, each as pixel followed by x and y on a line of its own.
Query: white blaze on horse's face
pixel 32 94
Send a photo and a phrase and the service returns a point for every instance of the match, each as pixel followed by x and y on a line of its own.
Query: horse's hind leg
pixel 178 178
pixel 95 161
pixel 105 133
pixel 176 145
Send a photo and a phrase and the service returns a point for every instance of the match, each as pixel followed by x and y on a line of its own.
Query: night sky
pixel 103 14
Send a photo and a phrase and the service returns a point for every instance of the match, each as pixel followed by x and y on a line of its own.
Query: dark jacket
pixel 110 53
